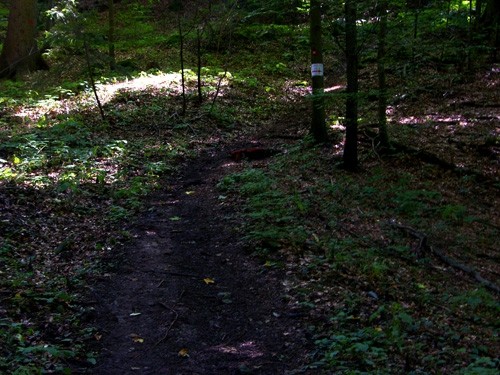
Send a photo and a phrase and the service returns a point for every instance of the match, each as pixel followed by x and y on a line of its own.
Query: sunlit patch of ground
pixel 50 106
pixel 246 349
pixel 171 81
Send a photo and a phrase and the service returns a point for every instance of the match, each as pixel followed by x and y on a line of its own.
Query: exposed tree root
pixel 424 246
pixel 436 160
pixel 427 157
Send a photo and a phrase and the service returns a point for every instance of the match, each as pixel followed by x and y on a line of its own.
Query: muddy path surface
pixel 188 298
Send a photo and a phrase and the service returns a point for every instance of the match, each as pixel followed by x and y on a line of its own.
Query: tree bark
pixel 350 156
pixel 20 52
pixel 490 21
pixel 382 86
pixel 181 57
pixel 111 35
pixel 479 9
pixel 491 13
pixel 198 60
pixel 318 126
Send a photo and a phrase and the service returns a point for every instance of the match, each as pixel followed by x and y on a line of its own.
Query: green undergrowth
pixel 374 305
pixel 70 185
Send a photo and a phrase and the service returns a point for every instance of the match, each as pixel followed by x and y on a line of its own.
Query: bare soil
pixel 188 298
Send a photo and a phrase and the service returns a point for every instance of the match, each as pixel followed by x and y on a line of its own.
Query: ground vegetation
pixel 174 213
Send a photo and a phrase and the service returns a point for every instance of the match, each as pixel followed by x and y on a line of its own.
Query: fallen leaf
pixel 184 353
pixel 208 280
pixel 136 338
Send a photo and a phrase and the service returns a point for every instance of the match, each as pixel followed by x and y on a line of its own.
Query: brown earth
pixel 188 298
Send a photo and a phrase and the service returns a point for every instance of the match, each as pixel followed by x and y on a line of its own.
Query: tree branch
pixel 424 246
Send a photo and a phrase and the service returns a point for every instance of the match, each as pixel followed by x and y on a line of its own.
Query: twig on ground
pixel 173 321
pixel 424 246
pixel 169 327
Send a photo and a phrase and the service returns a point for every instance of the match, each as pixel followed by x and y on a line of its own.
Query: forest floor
pixel 187 298
pixel 131 243
pixel 136 245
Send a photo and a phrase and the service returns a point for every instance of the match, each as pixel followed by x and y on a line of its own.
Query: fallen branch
pixel 165 336
pixel 431 158
pixel 424 246
pixel 170 326
pixel 426 157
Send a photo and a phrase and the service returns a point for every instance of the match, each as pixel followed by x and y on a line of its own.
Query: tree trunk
pixel 490 20
pixel 382 87
pixel 111 35
pixel 318 126
pixel 351 117
pixel 491 14
pixel 198 60
pixel 479 8
pixel 181 57
pixel 20 52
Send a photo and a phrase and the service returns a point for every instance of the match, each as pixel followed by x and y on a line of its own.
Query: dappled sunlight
pixel 46 162
pixel 31 114
pixel 294 88
pixel 247 349
pixel 170 81
pixel 151 224
pixel 335 88
pixel 446 119
pixel 39 111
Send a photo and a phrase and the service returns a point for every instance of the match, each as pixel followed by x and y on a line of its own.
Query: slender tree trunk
pixel 318 126
pixel 497 43
pixel 479 9
pixel 181 57
pixel 491 13
pixel 415 36
pixel 198 52
pixel 351 140
pixel 490 20
pixel 111 35
pixel 382 87
pixel 91 78
pixel 20 52
pixel 468 50
pixel 443 47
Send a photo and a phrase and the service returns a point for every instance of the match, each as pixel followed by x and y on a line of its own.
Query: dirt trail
pixel 161 313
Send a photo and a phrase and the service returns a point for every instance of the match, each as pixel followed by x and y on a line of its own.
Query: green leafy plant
pixel 454 214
